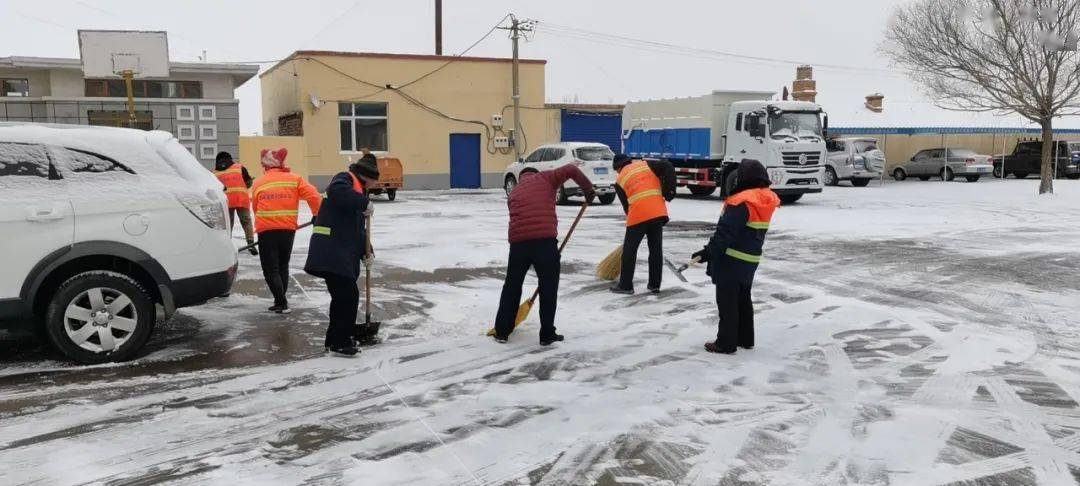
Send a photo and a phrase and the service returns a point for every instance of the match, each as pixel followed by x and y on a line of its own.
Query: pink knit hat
pixel 273 159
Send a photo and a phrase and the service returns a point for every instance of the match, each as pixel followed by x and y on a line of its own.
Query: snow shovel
pixel 253 245
pixel 526 307
pixel 367 333
pixel 678 271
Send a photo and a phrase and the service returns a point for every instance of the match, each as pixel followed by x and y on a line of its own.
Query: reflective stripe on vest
pixel 276 201
pixel 643 193
pixel 762 225
pixel 274 185
pixel 235 188
pixel 276 212
pixel 746 257
pixel 321 230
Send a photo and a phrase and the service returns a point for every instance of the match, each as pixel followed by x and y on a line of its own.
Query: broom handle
pixel 565 241
pixel 367 272
pixel 253 245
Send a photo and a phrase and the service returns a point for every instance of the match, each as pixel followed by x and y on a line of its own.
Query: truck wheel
pixel 790 198
pixel 899 174
pixel 607 199
pixel 946 174
pixel 830 179
pixel 1020 175
pixel 1073 176
pixel 701 190
pixel 860 182
pixel 509 184
pixel 997 172
pixel 391 194
pixel 973 178
pixel 100 316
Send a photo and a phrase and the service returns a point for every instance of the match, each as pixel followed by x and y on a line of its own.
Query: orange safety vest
pixel 276 200
pixel 761 203
pixel 643 193
pixel 235 187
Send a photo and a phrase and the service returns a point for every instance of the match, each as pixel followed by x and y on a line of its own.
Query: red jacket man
pixel 534 228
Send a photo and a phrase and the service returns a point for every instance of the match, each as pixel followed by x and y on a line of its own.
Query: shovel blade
pixel 367 333
pixel 675 270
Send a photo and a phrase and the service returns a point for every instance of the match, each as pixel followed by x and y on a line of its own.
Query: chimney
pixel 438 27
pixel 874 102
pixel 804 88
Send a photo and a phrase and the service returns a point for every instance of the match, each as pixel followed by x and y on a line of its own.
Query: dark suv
pixel 1027 159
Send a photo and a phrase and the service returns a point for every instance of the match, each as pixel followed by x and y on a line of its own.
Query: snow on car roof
pixel 134 148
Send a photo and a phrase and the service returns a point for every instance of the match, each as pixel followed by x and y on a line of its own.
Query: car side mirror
pixel 521 160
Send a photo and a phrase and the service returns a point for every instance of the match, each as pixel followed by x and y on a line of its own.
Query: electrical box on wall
pixel 496 121
pixel 501 142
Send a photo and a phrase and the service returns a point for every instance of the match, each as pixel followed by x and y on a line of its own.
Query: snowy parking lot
pixel 914 333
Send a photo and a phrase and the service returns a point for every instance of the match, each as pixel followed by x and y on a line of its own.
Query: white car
pixel 594 159
pixel 101 227
pixel 853 159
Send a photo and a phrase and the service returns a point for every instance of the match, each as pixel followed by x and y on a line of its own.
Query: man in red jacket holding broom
pixel 534 228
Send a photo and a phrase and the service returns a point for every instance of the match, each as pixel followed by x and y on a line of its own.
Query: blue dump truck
pixel 706 137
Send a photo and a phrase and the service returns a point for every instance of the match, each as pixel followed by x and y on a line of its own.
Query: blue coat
pixel 338 239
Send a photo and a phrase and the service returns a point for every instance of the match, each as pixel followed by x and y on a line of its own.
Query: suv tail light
pixel 579 163
pixel 207 210
pixel 970 161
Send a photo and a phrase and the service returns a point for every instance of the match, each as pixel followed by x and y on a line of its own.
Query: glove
pixel 701 255
pixel 590 195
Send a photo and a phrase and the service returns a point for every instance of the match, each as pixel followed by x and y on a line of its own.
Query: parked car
pixel 1027 159
pixel 853 159
pixel 594 159
pixel 929 163
pixel 102 227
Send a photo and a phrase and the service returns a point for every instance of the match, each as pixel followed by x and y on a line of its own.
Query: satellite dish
pixel 315 103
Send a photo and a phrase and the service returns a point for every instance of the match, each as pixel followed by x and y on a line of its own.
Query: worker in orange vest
pixel 237 181
pixel 275 199
pixel 733 254
pixel 644 189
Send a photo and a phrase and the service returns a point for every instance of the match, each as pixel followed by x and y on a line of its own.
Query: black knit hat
pixel 751 175
pixel 368 167
pixel 222 156
pixel 620 161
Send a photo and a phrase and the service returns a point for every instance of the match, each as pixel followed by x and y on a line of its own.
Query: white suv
pixel 594 159
pixel 99 227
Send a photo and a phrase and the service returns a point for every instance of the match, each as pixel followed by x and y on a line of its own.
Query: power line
pixel 462 53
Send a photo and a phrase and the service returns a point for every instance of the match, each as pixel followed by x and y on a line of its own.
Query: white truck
pixel 706 137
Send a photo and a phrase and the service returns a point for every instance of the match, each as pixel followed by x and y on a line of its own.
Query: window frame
pixel 194 135
pixel 208 126
pixel 62 169
pixel 539 153
pixel 352 117
pixel 4 90
pixel 213 112
pixel 205 154
pixel 99 88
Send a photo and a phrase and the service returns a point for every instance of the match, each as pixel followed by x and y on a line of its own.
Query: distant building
pixel 444 117
pixel 196 102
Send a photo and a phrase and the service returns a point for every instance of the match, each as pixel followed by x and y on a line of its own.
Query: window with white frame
pixel 208 113
pixel 185 132
pixel 185 112
pixel 363 125
pixel 207 151
pixel 207 132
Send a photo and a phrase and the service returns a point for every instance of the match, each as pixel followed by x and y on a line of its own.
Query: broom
pixel 526 307
pixel 610 267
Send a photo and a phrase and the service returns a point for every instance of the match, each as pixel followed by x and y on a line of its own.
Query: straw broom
pixel 526 307
pixel 611 267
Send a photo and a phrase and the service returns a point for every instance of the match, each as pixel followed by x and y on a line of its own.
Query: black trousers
pixel 344 305
pixel 275 250
pixel 736 316
pixel 543 255
pixel 654 231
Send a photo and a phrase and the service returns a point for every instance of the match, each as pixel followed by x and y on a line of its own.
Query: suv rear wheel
pixel 607 199
pixel 100 316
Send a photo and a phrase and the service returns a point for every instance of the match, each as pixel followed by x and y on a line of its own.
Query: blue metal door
pixel 464 160
pixel 598 127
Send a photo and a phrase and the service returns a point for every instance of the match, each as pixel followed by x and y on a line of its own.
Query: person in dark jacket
pixel 534 228
pixel 651 184
pixel 338 246
pixel 733 254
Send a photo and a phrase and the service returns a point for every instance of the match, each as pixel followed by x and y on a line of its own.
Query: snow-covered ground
pixel 912 334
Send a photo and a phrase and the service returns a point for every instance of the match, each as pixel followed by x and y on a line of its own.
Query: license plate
pixel 982 169
pixel 600 171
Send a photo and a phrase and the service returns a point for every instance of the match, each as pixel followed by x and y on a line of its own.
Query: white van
pixel 99 227
pixel 594 159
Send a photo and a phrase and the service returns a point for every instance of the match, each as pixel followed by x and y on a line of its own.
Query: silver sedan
pixel 961 162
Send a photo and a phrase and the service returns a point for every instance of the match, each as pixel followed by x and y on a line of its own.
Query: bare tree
pixel 1004 56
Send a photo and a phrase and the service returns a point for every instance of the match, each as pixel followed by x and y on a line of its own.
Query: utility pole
pixel 516 28
pixel 438 27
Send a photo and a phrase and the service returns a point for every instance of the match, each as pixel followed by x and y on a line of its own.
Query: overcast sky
pixel 842 33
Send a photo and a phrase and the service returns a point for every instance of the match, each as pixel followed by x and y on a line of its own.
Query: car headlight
pixel 776 176
pixel 207 210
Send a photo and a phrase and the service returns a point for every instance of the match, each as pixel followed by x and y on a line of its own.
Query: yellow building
pixel 438 114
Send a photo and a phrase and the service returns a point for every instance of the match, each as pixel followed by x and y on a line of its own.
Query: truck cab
pixel 787 137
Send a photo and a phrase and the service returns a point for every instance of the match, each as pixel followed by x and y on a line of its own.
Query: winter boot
pixel 547 340
pixel 713 348
pixel 654 290
pixel 501 339
pixel 344 351
pixel 619 290
pixel 253 250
